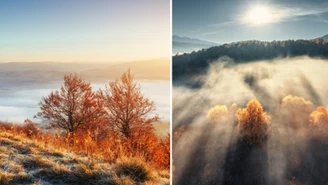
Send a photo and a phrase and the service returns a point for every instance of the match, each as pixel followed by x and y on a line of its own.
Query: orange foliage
pixel 71 108
pixel 218 114
pixel 295 111
pixel 127 110
pixel 109 124
pixel 149 147
pixel 253 123
pixel 319 123
pixel 162 153
pixel 127 113
pixel 221 114
pixel 31 129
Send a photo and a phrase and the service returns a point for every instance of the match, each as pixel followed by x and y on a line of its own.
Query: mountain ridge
pixel 32 74
pixel 196 63
pixel 182 44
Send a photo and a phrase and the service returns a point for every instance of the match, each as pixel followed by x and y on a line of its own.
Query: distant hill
pixel 51 66
pixel 325 37
pixel 187 45
pixel 187 65
pixel 150 70
pixel 31 74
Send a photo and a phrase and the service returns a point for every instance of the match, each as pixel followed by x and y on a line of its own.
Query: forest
pixel 251 146
pixel 198 62
pixel 262 122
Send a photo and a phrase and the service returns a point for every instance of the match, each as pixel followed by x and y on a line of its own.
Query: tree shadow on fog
pixel 246 164
pixel 218 163
pixel 313 165
pixel 205 165
pixel 261 93
pixel 315 98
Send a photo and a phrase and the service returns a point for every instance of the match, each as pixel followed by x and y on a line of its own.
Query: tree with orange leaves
pixel 162 154
pixel 71 108
pixel 295 111
pixel 253 122
pixel 318 126
pixel 128 111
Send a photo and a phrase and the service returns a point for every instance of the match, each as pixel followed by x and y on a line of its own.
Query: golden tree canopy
pixel 218 114
pixel 253 122
pixel 295 111
pixel 319 123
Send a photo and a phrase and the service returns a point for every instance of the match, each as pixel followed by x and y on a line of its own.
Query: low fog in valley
pixel 284 100
pixel 23 84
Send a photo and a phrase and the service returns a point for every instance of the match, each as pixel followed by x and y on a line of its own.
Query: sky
pixel 84 30
pixel 225 21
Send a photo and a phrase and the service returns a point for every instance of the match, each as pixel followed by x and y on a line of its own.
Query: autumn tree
pixel 162 153
pixel 71 108
pixel 221 114
pixel 295 111
pixel 128 111
pixel 218 114
pixel 318 126
pixel 253 122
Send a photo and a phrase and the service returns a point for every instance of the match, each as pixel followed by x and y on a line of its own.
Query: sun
pixel 260 15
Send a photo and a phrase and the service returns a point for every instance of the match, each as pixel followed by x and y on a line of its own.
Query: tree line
pixel 197 62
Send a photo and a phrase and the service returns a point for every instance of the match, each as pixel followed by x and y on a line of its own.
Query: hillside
pixel 25 160
pixel 197 63
pixel 325 37
pixel 187 45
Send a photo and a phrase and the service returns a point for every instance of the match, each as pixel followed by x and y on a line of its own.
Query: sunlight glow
pixel 261 15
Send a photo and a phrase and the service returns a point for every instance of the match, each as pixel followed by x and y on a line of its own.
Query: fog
pixel 289 90
pixel 20 102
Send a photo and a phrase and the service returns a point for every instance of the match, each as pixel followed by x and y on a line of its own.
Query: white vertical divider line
pixel 171 97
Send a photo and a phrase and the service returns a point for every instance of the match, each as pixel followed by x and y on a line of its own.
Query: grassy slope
pixel 25 161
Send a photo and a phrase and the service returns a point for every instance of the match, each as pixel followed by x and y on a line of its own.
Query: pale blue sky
pixel 84 30
pixel 220 20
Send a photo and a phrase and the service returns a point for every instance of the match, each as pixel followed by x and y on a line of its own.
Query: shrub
pixel 31 129
pixel 135 168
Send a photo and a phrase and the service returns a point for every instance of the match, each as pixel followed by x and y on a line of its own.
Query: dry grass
pixel 25 160
pixel 134 168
